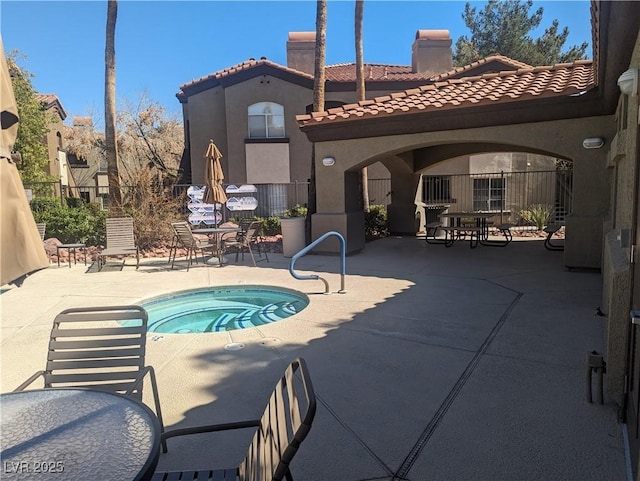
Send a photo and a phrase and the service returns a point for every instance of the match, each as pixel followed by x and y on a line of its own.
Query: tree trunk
pixel 360 91
pixel 318 102
pixel 111 147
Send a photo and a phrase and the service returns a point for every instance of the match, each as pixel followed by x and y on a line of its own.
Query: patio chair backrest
pixel 184 234
pixel 89 347
pixel 252 231
pixel 120 233
pixel 284 425
pixel 42 227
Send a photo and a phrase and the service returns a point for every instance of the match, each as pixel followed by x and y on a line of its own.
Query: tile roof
pixel 52 101
pixel 334 73
pixel 246 65
pixel 460 71
pixel 346 72
pixel 492 88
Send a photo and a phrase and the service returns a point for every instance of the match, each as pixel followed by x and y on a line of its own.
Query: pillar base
pixel 350 225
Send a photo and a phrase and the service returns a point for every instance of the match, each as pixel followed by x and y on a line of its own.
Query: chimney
pixel 301 48
pixel 432 52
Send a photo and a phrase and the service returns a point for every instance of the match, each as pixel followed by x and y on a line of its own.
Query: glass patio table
pixel 77 434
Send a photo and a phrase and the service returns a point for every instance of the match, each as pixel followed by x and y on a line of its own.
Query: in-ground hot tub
pixel 222 308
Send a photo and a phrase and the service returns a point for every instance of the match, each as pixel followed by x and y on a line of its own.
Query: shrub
pixel 153 208
pixel 270 225
pixel 42 204
pixel 82 224
pixel 296 211
pixel 375 223
pixel 537 214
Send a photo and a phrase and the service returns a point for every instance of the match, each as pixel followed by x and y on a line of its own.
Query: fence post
pixel 502 189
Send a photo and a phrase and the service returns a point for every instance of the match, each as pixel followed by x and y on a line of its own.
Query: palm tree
pixel 360 91
pixel 318 101
pixel 111 147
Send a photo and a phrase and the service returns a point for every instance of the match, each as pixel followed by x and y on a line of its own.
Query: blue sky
pixel 161 45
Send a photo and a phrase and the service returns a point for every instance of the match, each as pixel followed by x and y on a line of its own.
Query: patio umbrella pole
pixel 233 346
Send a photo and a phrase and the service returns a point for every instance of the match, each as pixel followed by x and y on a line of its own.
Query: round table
pixel 217 233
pixel 77 434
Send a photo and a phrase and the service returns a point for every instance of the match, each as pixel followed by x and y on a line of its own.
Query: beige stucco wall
pixel 561 138
pixel 201 112
pixel 221 114
pixel 617 270
pixel 52 141
pixel 267 163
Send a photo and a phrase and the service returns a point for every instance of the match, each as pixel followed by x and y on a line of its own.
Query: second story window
pixel 266 120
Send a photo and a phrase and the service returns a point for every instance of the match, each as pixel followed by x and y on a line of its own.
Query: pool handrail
pixel 343 263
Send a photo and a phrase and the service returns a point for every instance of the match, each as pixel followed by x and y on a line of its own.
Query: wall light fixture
pixel 328 161
pixel 593 142
pixel 628 82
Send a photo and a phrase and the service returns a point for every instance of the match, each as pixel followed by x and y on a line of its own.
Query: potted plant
pixel 293 235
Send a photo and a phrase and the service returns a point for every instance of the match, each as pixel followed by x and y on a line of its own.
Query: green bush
pixel 42 204
pixel 271 226
pixel 81 224
pixel 537 214
pixel 296 211
pixel 375 223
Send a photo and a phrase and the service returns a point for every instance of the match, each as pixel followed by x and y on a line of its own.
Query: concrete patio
pixel 436 364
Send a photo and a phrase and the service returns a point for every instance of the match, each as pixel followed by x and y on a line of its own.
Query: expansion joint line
pixel 407 464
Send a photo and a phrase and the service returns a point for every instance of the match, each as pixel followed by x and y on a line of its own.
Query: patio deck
pixel 436 364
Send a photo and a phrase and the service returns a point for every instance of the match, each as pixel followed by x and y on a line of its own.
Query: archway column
pixel 338 202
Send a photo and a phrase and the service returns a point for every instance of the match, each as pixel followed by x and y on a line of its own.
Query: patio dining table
pixel 217 233
pixel 77 433
pixel 457 229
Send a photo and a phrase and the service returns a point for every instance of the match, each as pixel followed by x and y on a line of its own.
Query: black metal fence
pixel 509 194
pixel 515 197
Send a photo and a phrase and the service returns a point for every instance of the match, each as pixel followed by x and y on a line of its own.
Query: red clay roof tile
pixel 522 84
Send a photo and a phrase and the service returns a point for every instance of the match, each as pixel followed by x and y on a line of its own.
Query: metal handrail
pixel 343 262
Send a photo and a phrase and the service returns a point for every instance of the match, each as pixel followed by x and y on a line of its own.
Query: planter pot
pixel 292 235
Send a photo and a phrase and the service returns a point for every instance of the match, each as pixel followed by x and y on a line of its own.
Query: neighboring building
pixel 57 166
pixel 89 169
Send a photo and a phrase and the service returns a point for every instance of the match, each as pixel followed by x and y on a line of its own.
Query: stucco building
pixel 561 111
pixel 585 112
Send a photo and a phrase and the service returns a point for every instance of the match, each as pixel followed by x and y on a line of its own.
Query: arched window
pixel 266 120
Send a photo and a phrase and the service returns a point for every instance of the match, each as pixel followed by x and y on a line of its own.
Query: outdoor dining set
pixel 467 226
pixel 88 420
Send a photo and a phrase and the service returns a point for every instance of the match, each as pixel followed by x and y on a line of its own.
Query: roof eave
pixel 465 117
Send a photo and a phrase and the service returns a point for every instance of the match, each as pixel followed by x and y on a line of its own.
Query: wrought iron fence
pixel 509 194
pixel 515 197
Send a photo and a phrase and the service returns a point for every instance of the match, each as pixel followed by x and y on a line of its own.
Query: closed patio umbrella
pixel 214 192
pixel 21 249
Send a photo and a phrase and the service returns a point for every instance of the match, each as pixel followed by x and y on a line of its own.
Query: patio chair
pixel 88 349
pixel 285 423
pixel 550 230
pixel 248 238
pixel 42 227
pixel 120 240
pixel 186 239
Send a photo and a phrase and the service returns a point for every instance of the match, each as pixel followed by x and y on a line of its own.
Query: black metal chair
pixel 284 425
pixel 550 230
pixel 87 350
pixel 246 240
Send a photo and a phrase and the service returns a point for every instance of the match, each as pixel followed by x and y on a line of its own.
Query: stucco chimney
pixel 301 48
pixel 432 52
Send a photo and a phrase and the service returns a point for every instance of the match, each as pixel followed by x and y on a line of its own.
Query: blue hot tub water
pixel 222 308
